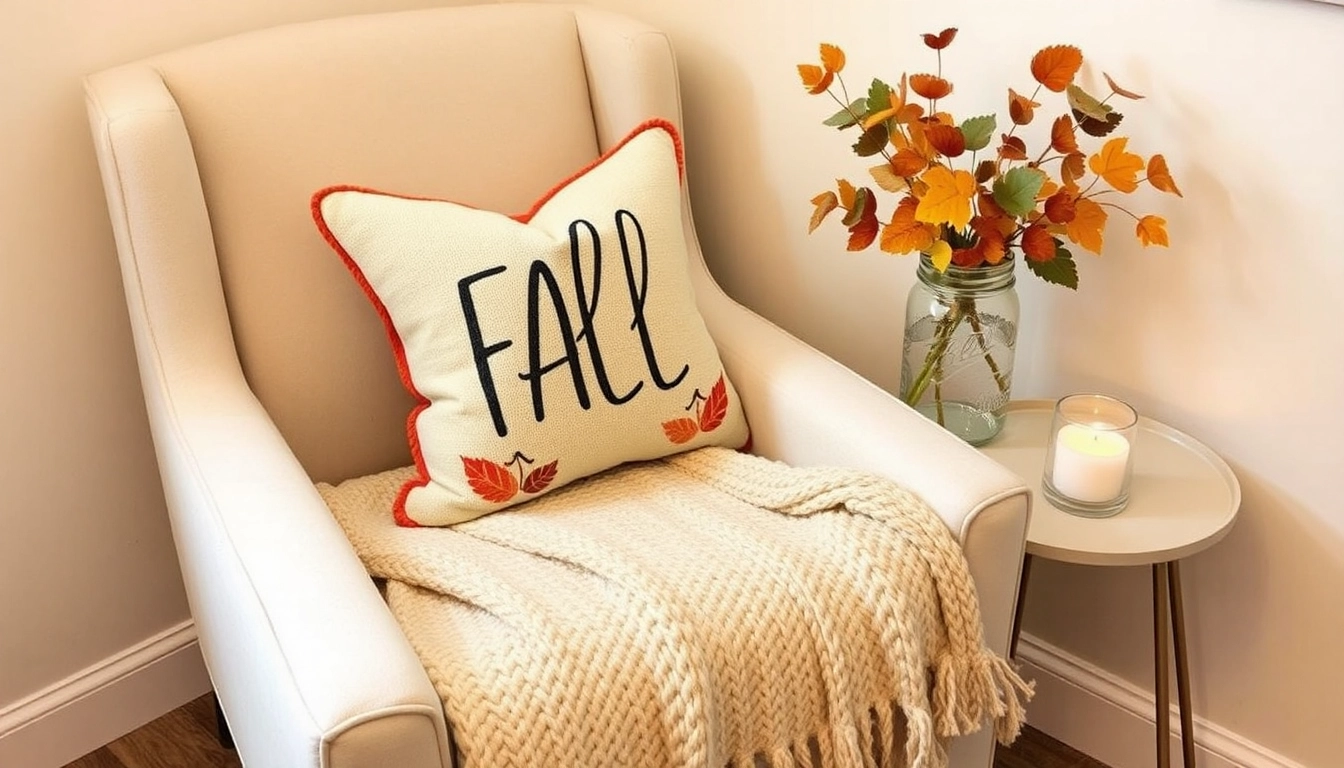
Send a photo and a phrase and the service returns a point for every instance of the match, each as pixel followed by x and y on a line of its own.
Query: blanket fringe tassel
pixel 968 691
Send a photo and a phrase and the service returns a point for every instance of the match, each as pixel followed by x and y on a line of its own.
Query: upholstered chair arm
pixel 307 661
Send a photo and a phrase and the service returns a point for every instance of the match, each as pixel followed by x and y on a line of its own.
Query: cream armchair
pixel 264 369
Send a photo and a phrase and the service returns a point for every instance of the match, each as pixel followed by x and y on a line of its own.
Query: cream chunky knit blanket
pixel 708 609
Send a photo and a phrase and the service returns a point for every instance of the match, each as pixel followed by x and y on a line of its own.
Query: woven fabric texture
pixel 707 609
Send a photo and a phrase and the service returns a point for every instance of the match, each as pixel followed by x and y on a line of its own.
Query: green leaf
pixel 1061 270
pixel 1015 191
pixel 863 199
pixel 845 117
pixel 1083 102
pixel 978 131
pixel 872 141
pixel 879 96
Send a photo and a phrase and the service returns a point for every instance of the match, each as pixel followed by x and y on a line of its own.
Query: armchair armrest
pixel 310 667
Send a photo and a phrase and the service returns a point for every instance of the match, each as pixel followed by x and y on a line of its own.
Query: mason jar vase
pixel 960 339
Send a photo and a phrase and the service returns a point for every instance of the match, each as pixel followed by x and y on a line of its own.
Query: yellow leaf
pixel 886 178
pixel 940 253
pixel 1085 229
pixel 904 234
pixel 825 203
pixel 1119 168
pixel 1152 230
pixel 948 200
pixel 832 58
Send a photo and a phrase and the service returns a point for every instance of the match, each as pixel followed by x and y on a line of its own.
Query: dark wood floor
pixel 185 738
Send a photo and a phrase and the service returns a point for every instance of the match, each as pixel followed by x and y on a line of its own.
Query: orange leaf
pixel 1073 168
pixel 832 58
pixel 492 482
pixel 1048 188
pixel 1037 243
pixel 1059 207
pixel 948 200
pixel 904 234
pixel 1088 222
pixel 847 193
pixel 990 245
pixel 941 40
pixel 825 203
pixel 985 170
pixel 887 179
pixel 1013 148
pixel 1054 67
pixel 930 86
pixel 815 79
pixel 1020 108
pixel 908 163
pixel 864 231
pixel 1152 230
pixel 680 431
pixel 1119 168
pixel 1063 139
pixel 946 140
pixel 1117 90
pixel 1160 177
pixel 716 406
pixel 539 478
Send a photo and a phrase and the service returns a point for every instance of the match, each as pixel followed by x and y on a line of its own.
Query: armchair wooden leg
pixel 225 736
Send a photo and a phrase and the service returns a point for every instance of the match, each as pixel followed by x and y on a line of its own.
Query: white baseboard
pixel 1112 719
pixel 98 704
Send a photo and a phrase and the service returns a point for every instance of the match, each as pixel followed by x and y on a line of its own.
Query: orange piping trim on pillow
pixel 421 478
pixel 398 350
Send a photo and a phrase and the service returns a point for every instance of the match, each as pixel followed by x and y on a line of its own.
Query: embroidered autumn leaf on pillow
pixel 496 484
pixel 710 414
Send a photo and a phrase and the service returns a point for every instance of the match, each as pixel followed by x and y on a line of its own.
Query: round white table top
pixel 1183 497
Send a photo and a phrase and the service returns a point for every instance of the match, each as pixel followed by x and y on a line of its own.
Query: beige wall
pixel 86 561
pixel 1230 335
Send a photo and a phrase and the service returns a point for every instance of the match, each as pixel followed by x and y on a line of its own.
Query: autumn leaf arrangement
pixel 970 194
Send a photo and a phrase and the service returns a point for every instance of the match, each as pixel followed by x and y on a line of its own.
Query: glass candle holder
pixel 1090 455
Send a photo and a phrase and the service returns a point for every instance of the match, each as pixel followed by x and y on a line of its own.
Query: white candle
pixel 1089 463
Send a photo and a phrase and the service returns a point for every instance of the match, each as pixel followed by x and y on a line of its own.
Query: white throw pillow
pixel 542 347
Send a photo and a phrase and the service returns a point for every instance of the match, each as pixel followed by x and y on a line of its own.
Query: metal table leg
pixel 1021 602
pixel 1161 687
pixel 1182 666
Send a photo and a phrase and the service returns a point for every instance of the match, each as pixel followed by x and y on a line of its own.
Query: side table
pixel 1183 499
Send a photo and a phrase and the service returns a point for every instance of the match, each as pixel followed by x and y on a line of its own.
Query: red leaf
pixel 539 478
pixel 1059 207
pixel 716 407
pixel 947 140
pixel 680 431
pixel 492 482
pixel 1037 243
pixel 941 40
pixel 864 232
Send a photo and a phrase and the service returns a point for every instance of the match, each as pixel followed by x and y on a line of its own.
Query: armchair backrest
pixel 215 151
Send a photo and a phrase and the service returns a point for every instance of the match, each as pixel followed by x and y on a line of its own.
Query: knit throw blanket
pixel 709 609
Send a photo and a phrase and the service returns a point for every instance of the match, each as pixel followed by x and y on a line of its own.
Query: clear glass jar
pixel 960 339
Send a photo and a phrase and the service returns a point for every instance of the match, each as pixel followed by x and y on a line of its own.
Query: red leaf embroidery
pixel 716 407
pixel 680 430
pixel 539 478
pixel 492 482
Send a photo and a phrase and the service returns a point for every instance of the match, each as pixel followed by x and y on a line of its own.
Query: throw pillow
pixel 542 347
